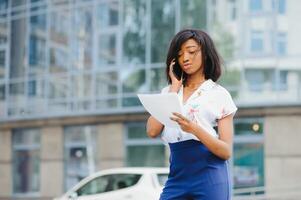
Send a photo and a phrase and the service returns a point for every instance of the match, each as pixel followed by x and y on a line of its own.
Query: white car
pixel 120 184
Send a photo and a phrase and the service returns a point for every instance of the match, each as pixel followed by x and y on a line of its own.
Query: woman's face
pixel 190 57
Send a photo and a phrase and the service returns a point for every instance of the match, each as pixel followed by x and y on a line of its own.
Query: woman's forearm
pixel 153 127
pixel 217 146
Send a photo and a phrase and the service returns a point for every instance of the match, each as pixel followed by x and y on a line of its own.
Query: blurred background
pixel 70 71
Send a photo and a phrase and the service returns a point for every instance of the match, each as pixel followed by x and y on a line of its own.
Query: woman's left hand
pixel 185 124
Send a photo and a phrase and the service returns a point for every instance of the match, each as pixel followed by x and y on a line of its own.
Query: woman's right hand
pixel 175 83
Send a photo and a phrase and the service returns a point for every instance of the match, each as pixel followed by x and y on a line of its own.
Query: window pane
pixel 256 41
pixel 81 39
pixel 58 60
pixel 255 5
pixel 133 81
pixel 131 102
pixel 26 161
pixel 81 86
pixel 163 28
pixel 80 153
pixel 134 36
pixel 249 127
pixel 142 155
pixel 158 79
pixel 58 87
pixel 107 14
pixel 37 54
pixel 107 49
pixel 106 83
pixel 18 47
pixel 137 131
pixel 248 165
pixel 193 14
pixel 2 64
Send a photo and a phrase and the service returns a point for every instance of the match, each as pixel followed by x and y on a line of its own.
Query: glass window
pixel 37 52
pixel 163 28
pixel 255 5
pixel 257 42
pixel 141 150
pixel 248 159
pixel 59 26
pixel 58 60
pixel 81 86
pixel 3 33
pixel 16 91
pixel 193 14
pixel 107 49
pixel 58 87
pixel 134 35
pixel 108 183
pixel 281 45
pixel 106 83
pixel 26 160
pixel 2 92
pixel 260 79
pixel 81 38
pixel 38 21
pixel 133 80
pixel 2 64
pixel 107 14
pixel 80 153
pixel 158 79
pixel 248 165
pixel 18 48
pixel 279 6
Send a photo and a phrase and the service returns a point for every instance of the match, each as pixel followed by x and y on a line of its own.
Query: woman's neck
pixel 194 80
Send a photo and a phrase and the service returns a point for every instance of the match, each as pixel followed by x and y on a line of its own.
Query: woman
pixel 199 153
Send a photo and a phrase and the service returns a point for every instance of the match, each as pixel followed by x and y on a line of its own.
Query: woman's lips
pixel 187 66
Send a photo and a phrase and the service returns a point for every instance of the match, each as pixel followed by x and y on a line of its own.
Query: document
pixel 161 106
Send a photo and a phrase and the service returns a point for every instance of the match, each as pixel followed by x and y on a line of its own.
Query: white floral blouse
pixel 209 103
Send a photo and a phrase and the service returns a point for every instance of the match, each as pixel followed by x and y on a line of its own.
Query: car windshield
pixel 162 178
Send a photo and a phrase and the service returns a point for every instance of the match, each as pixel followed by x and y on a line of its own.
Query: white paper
pixel 161 106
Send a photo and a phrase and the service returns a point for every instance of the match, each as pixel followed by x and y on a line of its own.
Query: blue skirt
pixel 196 173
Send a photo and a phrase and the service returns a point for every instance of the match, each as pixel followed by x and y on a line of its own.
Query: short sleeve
pixel 227 105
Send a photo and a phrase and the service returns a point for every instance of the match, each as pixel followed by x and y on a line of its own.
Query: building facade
pixel 70 72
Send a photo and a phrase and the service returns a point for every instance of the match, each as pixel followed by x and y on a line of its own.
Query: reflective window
pixel 26 160
pixel 37 53
pixel 193 14
pixel 18 47
pixel 107 49
pixel 255 5
pixel 81 39
pixel 106 83
pixel 107 14
pixel 81 86
pixel 133 80
pixel 58 87
pixel 281 44
pixel 248 159
pixel 279 6
pixel 37 20
pixel 163 28
pixel 108 183
pixel 58 60
pixel 2 64
pixel 80 153
pixel 256 42
pixel 141 150
pixel 258 79
pixel 158 79
pixel 134 35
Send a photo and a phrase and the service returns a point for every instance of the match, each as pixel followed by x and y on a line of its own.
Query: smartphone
pixel 177 71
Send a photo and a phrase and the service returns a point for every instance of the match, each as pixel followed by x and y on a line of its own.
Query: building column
pixel 110 152
pixel 52 154
pixel 282 151
pixel 5 164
